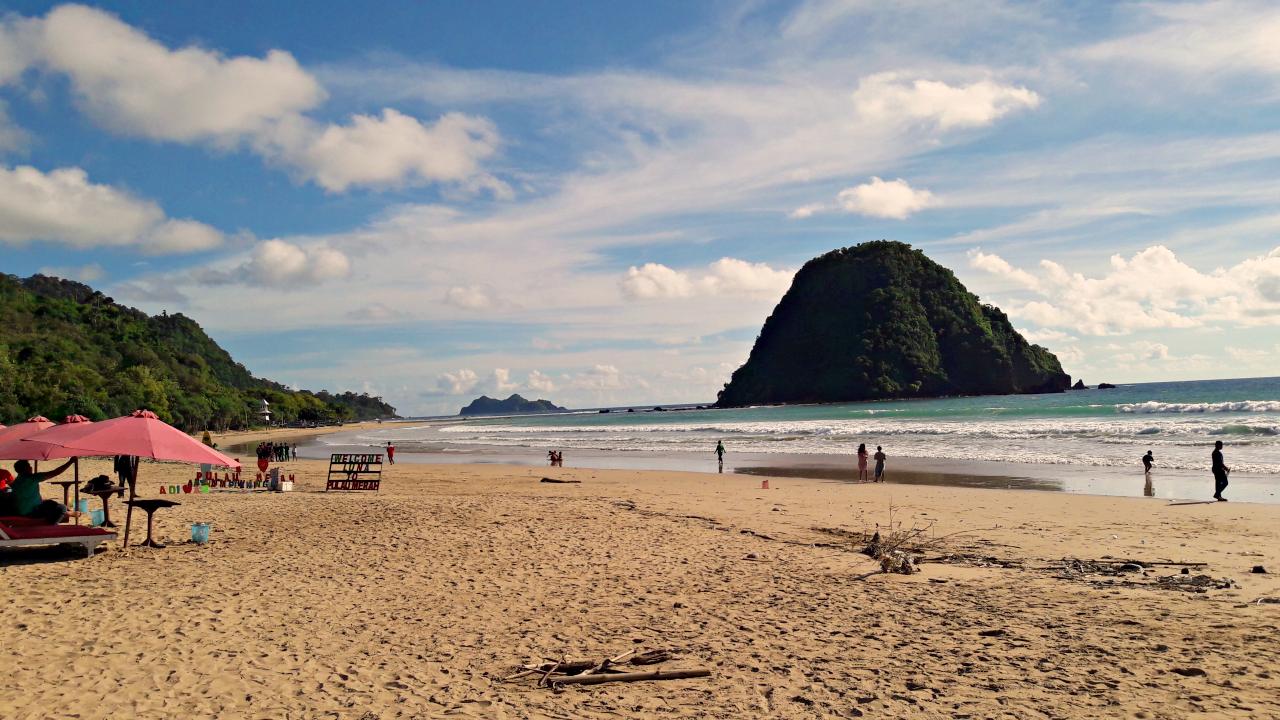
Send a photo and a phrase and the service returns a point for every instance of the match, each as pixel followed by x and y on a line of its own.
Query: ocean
pixel 1178 421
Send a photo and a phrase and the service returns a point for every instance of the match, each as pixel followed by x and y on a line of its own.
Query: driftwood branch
pixel 562 482
pixel 631 677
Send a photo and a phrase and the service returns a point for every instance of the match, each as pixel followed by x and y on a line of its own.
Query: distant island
pixel 514 405
pixel 881 320
pixel 67 349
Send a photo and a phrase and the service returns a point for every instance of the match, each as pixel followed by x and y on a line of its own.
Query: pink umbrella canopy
pixel 140 434
pixel 38 446
pixel 25 429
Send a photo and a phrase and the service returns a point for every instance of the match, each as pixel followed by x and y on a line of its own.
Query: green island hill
pixel 66 349
pixel 880 320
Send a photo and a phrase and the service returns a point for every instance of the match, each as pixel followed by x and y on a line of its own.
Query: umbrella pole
pixel 133 491
pixel 76 501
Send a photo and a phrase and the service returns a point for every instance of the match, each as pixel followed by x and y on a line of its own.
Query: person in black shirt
pixel 1147 461
pixel 1220 471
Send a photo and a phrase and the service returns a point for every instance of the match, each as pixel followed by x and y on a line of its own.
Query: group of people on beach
pixel 1217 466
pixel 863 456
pixel 556 458
pixel 277 452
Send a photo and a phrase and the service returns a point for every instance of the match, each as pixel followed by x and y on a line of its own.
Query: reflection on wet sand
pixel 909 477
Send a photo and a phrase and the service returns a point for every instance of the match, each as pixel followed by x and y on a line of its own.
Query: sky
pixel 600 203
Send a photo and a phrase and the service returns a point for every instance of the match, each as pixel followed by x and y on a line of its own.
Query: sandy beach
pixel 418 600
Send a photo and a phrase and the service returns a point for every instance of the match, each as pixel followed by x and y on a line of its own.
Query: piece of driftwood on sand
pixel 630 677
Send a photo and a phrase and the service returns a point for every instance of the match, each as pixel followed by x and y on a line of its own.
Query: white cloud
pixel 282 265
pixel 726 276
pixel 176 236
pixel 136 86
pixel 393 149
pixel 540 382
pixel 64 206
pixel 997 265
pixel 89 273
pixel 599 377
pixel 655 280
pixel 1153 289
pixel 457 383
pixel 1199 38
pixel 471 297
pixel 884 199
pixel 890 97
pixel 12 137
pixel 502 381
pixel 730 276
pixel 277 262
pixel 806 211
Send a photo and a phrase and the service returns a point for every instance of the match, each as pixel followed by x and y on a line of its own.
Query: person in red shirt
pixel 391 453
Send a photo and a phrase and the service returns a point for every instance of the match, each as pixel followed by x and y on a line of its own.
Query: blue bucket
pixel 82 505
pixel 96 517
pixel 200 533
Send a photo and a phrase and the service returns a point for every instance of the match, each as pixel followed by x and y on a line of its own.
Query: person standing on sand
pixel 391 453
pixel 1220 471
pixel 862 462
pixel 720 454
pixel 1147 461
pixel 880 457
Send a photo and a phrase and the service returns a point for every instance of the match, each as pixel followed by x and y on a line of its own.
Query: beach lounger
pixel 21 531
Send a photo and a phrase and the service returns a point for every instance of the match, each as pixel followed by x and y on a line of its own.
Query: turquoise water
pixel 1178 421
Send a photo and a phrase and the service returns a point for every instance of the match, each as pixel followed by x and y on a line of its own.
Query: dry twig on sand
pixel 590 672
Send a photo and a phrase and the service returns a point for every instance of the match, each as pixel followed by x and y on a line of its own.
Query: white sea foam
pixel 1239 406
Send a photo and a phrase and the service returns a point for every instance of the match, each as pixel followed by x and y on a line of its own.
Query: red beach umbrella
pixel 42 445
pixel 37 447
pixel 24 429
pixel 140 434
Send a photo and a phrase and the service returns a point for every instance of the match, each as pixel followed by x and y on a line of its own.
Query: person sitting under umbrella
pixel 25 499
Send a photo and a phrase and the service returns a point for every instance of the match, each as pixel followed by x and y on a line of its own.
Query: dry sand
pixel 416 601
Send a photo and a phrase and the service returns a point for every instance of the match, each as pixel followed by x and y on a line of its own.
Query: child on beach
pixel 720 454
pixel 1147 461
pixel 862 462
pixel 880 457
pixel 391 453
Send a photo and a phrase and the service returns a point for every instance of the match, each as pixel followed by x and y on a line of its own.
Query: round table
pixel 104 494
pixel 66 494
pixel 150 506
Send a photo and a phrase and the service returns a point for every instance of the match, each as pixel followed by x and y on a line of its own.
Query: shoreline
pixel 1103 481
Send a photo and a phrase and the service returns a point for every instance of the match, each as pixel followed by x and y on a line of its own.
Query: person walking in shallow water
pixel 720 454
pixel 1220 472
pixel 1147 461
pixel 862 462
pixel 880 457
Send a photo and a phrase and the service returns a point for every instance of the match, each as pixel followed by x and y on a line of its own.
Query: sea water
pixel 1178 421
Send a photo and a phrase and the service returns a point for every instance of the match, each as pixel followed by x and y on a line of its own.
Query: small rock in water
pixel 1258 570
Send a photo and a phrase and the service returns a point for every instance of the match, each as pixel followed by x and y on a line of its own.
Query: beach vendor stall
pixel 141 434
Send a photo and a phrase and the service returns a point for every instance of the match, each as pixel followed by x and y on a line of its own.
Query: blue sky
pixel 599 203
